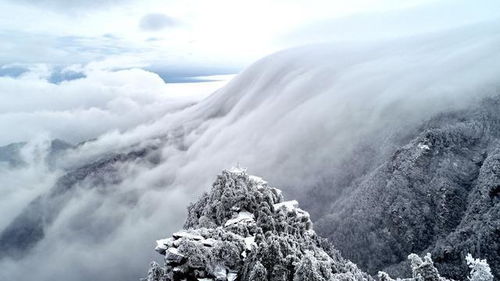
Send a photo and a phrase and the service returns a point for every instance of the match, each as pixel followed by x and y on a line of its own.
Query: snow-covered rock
pixel 222 240
pixel 288 205
pixel 231 276
pixel 249 242
pixel 423 146
pixel 172 256
pixel 258 180
pixel 163 244
pixel 208 242
pixel 185 234
pixel 242 217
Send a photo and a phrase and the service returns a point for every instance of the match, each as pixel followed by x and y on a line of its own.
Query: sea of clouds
pixel 292 117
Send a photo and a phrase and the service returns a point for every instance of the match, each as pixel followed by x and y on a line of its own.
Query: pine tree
pixel 308 269
pixel 258 273
pixel 480 270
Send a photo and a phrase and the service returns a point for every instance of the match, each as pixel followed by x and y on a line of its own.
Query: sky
pixel 177 39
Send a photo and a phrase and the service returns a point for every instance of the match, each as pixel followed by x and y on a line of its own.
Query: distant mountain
pixel 11 153
pixel 29 227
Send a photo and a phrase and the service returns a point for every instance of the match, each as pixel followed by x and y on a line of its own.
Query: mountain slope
pixel 242 229
pixel 29 227
pixel 439 194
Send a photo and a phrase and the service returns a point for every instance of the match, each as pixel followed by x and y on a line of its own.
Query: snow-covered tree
pixel 424 270
pixel 258 273
pixel 479 269
pixel 155 273
pixel 308 269
pixel 244 230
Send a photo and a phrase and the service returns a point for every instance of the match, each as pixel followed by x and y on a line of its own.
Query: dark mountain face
pixel 11 154
pixel 438 193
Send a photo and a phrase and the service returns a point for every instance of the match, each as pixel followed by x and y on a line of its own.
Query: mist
pixel 292 117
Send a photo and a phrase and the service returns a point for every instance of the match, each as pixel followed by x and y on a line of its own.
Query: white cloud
pixel 156 22
pixel 215 33
pixel 85 108
pixel 292 118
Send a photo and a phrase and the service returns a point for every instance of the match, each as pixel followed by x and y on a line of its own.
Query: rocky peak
pixel 243 229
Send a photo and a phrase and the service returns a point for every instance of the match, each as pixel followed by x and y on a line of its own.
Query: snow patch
pixel 423 146
pixel 288 205
pixel 231 276
pixel 242 217
pixel 220 272
pixel 163 244
pixel 249 242
pixel 208 242
pixel 237 170
pixel 184 234
pixel 258 181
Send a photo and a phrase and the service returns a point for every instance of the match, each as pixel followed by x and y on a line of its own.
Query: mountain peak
pixel 243 229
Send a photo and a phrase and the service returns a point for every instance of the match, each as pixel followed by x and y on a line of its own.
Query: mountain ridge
pixel 244 230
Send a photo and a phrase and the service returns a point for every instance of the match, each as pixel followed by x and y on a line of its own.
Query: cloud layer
pixel 156 22
pixel 88 104
pixel 70 4
pixel 291 117
pixel 220 33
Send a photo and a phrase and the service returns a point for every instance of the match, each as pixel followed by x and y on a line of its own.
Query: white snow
pixel 257 180
pixel 162 244
pixel 249 242
pixel 423 146
pixel 237 170
pixel 231 276
pixel 302 213
pixel 242 217
pixel 184 234
pixel 310 232
pixel 220 272
pixel 174 251
pixel 288 205
pixel 208 242
pixel 292 206
pixel 278 191
pixel 480 269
